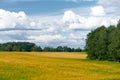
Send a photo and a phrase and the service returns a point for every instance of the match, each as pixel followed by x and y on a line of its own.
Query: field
pixel 55 66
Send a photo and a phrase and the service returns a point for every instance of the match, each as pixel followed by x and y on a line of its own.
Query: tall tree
pixel 104 43
pixel 96 44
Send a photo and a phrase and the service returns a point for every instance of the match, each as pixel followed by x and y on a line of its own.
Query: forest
pixel 103 43
pixel 31 47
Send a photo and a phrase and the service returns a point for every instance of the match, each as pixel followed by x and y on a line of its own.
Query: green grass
pixel 55 66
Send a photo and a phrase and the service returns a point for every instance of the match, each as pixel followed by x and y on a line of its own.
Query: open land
pixel 55 66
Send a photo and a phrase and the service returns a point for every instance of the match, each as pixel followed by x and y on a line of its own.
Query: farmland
pixel 55 66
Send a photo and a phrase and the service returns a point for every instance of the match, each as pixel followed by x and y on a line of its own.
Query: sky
pixel 55 22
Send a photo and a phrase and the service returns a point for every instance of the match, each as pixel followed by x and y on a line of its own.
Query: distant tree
pixel 18 46
pixel 78 50
pixel 48 49
pixel 7 46
pixel 59 49
pixel 72 50
pixel 40 49
pixel 67 49
pixel 118 25
pixel 36 48
pixel 28 47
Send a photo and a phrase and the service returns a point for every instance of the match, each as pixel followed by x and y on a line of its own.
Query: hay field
pixel 55 66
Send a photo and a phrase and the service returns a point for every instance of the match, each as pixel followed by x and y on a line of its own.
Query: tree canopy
pixel 17 46
pixel 28 47
pixel 103 43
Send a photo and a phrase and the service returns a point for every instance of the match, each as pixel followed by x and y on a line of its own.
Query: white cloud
pixel 70 17
pixel 111 7
pixel 11 19
pixel 64 29
pixel 96 19
pixel 33 24
pixel 1 41
pixel 73 20
pixel 109 2
pixel 97 11
pixel 46 38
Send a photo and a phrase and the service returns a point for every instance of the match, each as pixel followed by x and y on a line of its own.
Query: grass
pixel 55 66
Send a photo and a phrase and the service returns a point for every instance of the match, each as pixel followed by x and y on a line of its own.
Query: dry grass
pixel 74 55
pixel 55 66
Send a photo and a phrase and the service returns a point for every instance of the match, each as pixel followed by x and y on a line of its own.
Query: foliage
pixel 61 49
pixel 18 46
pixel 104 43
pixel 28 47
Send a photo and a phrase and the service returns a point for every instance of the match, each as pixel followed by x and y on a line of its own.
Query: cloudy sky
pixel 55 22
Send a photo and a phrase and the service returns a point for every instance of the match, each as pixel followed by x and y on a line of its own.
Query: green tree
pixel 78 50
pixel 36 48
pixel 111 42
pixel 48 49
pixel 104 43
pixel 59 49
pixel 18 46
pixel 96 44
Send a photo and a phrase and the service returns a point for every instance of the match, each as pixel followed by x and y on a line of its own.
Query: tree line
pixel 103 43
pixel 29 47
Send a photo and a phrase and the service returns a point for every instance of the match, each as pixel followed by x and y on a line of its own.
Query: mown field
pixel 55 66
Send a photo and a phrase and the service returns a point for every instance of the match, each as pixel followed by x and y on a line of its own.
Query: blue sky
pixel 55 22
pixel 43 6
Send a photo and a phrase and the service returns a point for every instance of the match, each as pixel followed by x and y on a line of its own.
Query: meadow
pixel 55 66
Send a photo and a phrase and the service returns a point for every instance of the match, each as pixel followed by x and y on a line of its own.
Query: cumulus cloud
pixel 11 19
pixel 1 41
pixel 70 17
pixel 111 7
pixel 33 24
pixel 96 19
pixel 109 2
pixel 97 11
pixel 73 20
pixel 14 35
pixel 46 38
pixel 69 28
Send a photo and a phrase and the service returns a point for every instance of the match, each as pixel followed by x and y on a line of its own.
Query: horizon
pixel 55 23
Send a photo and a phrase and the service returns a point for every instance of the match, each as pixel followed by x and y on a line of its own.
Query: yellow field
pixel 55 66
